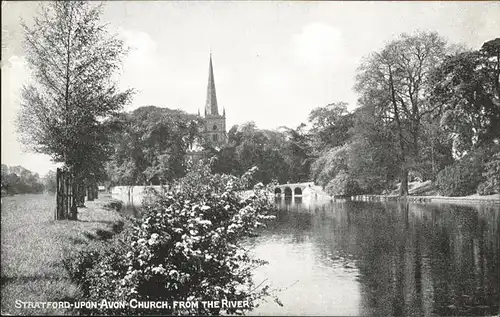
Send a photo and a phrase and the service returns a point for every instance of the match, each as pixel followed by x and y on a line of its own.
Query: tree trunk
pixel 403 188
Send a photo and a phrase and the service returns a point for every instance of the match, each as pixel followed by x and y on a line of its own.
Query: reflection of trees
pixel 421 259
pixel 413 259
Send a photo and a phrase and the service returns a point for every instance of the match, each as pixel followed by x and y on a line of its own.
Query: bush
pixel 85 267
pixel 342 184
pixel 186 247
pixel 459 179
pixel 464 177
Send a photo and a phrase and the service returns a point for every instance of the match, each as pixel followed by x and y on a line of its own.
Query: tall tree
pixel 396 82
pixel 72 58
pixel 467 87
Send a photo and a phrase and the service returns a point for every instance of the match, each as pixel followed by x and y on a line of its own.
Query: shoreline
pixel 472 199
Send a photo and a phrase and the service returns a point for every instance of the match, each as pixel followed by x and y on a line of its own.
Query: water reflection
pixel 360 258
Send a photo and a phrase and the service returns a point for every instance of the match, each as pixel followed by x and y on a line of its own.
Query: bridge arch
pixel 277 191
pixel 288 191
pixel 297 191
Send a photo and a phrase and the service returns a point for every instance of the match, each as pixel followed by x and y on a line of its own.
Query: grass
pixel 33 247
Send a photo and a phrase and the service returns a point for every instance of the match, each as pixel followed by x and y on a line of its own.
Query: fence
pixel 65 195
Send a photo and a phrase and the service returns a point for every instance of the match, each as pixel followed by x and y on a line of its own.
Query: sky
pixel 273 62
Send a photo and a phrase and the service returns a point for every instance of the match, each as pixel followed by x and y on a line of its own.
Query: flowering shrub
pixel 186 248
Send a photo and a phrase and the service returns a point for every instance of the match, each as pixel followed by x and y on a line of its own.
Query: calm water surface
pixel 380 259
pixel 391 259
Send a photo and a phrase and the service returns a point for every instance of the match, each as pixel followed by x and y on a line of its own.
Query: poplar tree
pixel 72 58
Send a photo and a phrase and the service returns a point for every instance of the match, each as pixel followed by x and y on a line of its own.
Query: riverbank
pixel 34 247
pixel 471 199
pixel 426 192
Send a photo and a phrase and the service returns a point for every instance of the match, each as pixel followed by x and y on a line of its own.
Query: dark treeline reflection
pixel 412 259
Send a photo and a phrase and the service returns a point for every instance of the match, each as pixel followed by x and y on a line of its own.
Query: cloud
pixel 143 67
pixel 319 46
pixel 142 48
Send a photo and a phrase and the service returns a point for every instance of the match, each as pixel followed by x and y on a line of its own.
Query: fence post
pixel 57 215
pixel 67 198
pixel 90 192
pixel 65 194
pixel 62 194
pixel 74 195
pixel 80 193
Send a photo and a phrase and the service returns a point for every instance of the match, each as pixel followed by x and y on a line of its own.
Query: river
pixel 387 259
pixel 390 259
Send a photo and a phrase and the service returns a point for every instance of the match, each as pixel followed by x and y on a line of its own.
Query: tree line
pixel 427 110
pixel 19 180
pixel 425 105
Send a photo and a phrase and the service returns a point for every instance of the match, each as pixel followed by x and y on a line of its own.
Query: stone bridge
pixel 292 190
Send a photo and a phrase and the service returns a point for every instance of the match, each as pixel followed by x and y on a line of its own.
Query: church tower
pixel 215 124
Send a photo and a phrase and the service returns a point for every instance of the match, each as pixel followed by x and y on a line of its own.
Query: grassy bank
pixel 34 247
pixel 429 190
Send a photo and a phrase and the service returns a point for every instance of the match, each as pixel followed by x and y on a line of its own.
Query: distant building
pixel 215 124
pixel 214 131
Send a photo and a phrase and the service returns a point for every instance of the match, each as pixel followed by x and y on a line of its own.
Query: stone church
pixel 215 124
pixel 214 131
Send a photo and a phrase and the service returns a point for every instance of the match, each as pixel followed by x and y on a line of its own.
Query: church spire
pixel 211 108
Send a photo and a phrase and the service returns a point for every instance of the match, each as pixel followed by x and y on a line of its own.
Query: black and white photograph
pixel 259 158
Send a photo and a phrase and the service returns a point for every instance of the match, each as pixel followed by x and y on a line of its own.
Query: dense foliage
pixel 279 155
pixel 422 107
pixel 491 183
pixel 467 87
pixel 150 145
pixel 19 180
pixel 464 176
pixel 185 247
pixel 343 184
pixel 410 125
pixel 460 179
